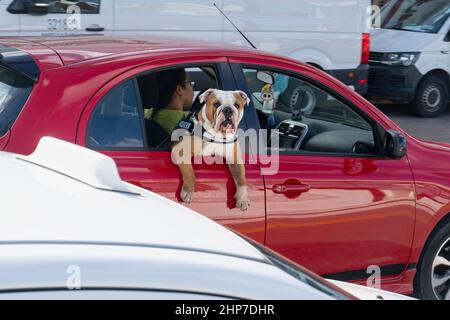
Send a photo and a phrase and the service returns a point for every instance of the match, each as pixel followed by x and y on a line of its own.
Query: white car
pixel 71 229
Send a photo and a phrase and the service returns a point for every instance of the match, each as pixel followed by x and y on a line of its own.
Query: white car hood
pixel 387 40
pixel 39 205
pixel 367 293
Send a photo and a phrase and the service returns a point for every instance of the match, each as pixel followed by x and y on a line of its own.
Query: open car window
pixel 159 120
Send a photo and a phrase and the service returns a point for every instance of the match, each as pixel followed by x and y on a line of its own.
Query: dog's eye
pixel 236 105
pixel 217 105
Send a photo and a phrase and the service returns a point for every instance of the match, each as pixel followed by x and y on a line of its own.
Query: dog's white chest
pixel 218 149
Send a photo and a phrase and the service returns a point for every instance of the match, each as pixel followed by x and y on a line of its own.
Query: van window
pixel 14 92
pixel 412 15
pixel 56 6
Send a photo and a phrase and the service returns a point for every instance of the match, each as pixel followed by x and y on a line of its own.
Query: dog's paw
pixel 186 195
pixel 242 201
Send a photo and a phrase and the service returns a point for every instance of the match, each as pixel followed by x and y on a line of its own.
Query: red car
pixel 352 194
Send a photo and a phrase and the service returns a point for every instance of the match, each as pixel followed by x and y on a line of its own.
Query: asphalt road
pixel 435 129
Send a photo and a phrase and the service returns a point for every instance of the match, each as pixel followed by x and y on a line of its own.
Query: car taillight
pixel 365 48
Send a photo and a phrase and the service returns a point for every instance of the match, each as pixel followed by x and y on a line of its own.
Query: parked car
pixel 71 229
pixel 409 59
pixel 331 35
pixel 351 189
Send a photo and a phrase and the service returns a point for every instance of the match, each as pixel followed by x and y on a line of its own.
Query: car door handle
pixel 283 188
pixel 95 28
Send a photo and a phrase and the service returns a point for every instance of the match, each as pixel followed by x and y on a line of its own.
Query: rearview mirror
pixel 37 7
pixel 395 144
pixel 265 77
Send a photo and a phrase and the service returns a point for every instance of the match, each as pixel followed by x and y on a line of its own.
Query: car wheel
pixel 431 97
pixel 433 273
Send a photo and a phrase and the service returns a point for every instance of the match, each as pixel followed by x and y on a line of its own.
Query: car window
pixel 14 92
pixel 163 107
pixel 301 117
pixel 116 120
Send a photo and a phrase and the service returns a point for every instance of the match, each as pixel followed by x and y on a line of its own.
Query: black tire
pixel 431 97
pixel 437 246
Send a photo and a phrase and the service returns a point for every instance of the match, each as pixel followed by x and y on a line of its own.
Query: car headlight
pixel 400 58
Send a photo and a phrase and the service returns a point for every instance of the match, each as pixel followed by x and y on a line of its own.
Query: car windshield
pixel 299 273
pixel 14 91
pixel 425 16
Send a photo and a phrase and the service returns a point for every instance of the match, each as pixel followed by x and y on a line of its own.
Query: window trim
pixel 377 129
pixel 224 77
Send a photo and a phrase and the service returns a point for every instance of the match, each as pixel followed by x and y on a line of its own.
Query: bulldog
pixel 219 118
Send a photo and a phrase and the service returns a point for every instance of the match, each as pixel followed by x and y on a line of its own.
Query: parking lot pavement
pixel 435 129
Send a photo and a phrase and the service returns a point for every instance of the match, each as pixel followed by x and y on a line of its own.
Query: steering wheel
pixel 361 147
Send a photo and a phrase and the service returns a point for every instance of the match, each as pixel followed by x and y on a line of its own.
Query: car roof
pixel 58 51
pixel 60 201
pixel 38 267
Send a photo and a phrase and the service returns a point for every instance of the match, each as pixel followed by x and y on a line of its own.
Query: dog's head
pixel 222 111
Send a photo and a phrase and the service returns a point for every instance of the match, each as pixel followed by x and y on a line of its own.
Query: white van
pixel 410 55
pixel 329 34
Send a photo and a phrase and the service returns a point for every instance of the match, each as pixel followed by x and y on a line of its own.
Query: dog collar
pixel 208 137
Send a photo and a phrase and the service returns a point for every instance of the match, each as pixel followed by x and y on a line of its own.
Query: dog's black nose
pixel 228 112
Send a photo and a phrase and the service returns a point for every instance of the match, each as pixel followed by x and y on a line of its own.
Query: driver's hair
pixel 168 81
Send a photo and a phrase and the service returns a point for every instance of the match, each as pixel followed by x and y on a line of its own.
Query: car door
pixel 113 123
pixel 332 210
pixel 62 17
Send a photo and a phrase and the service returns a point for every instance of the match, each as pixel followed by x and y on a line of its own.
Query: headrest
pixel 148 87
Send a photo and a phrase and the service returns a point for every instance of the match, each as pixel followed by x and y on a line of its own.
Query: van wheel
pixel 431 97
pixel 433 273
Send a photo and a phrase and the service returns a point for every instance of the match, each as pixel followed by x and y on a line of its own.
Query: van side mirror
pixel 37 7
pixel 395 144
pixel 447 36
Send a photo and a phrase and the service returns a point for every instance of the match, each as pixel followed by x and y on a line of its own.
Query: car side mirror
pixel 395 144
pixel 37 7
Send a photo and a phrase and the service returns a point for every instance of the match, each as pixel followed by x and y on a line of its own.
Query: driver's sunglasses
pixel 191 82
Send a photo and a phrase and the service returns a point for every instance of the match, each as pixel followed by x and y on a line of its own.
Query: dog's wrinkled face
pixel 223 110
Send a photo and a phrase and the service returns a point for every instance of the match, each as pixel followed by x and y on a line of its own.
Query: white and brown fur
pixel 220 116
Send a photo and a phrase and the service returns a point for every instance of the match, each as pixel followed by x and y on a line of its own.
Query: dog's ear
pixel 243 96
pixel 205 96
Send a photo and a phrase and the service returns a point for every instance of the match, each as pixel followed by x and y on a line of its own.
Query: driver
pixel 176 91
